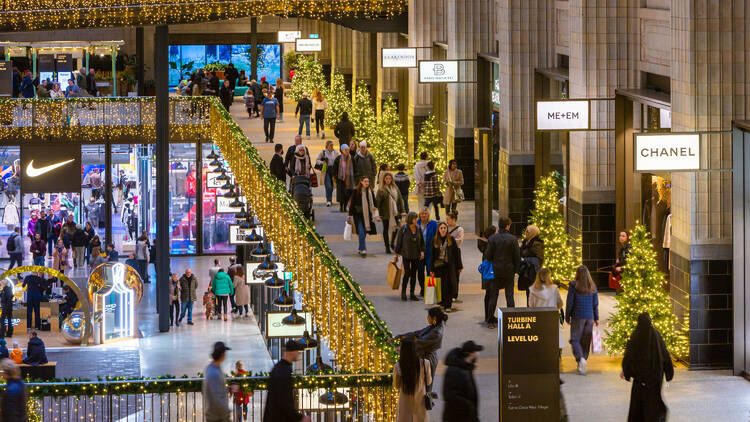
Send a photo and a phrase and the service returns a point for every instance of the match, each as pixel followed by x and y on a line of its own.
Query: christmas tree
pixel 429 141
pixel 560 256
pixel 362 114
pixel 389 144
pixel 338 99
pixel 308 76
pixel 642 291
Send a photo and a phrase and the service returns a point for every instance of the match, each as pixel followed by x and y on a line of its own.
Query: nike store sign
pixel 50 168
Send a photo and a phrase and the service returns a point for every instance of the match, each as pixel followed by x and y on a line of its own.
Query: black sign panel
pixel 64 63
pixel 528 365
pixel 50 168
pixel 46 63
pixel 6 79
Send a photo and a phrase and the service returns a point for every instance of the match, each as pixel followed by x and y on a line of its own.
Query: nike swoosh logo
pixel 35 172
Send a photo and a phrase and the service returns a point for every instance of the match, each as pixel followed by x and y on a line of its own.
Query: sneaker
pixel 190 322
pixel 582 366
pixel 328 204
pixel 458 301
pixel 324 135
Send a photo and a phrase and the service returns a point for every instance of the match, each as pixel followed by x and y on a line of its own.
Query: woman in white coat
pixel 545 294
pixel 241 292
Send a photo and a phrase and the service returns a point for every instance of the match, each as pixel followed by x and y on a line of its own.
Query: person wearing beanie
pixel 459 387
pixel 364 164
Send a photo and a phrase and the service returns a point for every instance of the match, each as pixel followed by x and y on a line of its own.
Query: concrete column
pixel 161 60
pixel 355 64
pixel 421 14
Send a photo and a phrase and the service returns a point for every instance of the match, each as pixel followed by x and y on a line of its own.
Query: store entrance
pixel 656 214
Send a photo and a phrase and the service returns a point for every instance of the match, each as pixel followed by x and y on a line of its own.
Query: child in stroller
pixel 302 194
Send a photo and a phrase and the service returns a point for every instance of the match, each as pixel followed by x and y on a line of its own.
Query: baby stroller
pixel 302 195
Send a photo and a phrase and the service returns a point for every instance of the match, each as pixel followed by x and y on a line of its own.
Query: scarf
pixel 301 164
pixel 345 171
pixel 392 206
pixel 443 251
pixel 366 206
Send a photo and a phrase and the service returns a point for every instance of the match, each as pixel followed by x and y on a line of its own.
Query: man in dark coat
pixel 277 164
pixel 231 75
pixel 36 353
pixel 6 299
pixel 505 254
pixel 280 404
pixel 257 91
pixel 16 82
pixel 459 388
pixel 344 129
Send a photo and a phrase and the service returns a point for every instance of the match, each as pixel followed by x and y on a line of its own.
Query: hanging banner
pixel 667 152
pixel 308 44
pixel 289 36
pixel 399 57
pixel 563 115
pixel 438 71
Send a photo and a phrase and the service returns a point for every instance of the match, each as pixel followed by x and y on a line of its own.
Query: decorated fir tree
pixel 308 76
pixel 429 141
pixel 362 114
pixel 389 144
pixel 643 291
pixel 560 255
pixel 338 99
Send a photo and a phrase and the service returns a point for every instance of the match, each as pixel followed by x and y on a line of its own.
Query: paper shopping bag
pixel 438 288
pixel 596 340
pixel 430 295
pixel 347 231
pixel 393 276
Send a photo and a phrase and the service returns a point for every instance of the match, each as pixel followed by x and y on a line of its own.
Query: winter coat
pixel 344 131
pixel 459 389
pixel 411 406
pixel 428 341
pixel 356 211
pixel 448 272
pixel 6 297
pixel 14 402
pixel 503 251
pixel 453 181
pixel 141 250
pixel 42 227
pixel 534 247
pixel 277 167
pixel 222 284
pixel 364 166
pixel 188 288
pixel 59 258
pixel 409 245
pixel 36 354
pixel 79 238
pixel 382 202
pixel 548 297
pixel 241 291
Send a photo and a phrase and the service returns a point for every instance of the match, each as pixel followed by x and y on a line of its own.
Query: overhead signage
pixel 45 63
pixel 438 71
pixel 213 183
pixel 562 115
pixel 6 78
pixel 529 388
pixel 309 44
pixel 224 205
pixel 50 168
pixel 238 236
pixel 667 152
pixel 64 62
pixel 399 57
pixel 289 36
pixel 277 329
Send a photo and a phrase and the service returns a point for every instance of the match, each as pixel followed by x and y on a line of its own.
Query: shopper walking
pixel 277 163
pixel 88 229
pixel 445 264
pixel 212 271
pixel 364 164
pixel 459 387
pixel 60 257
pixel 278 93
pixel 27 85
pixel 430 338
pixel 454 181
pixel 241 293
pixel 320 105
pixel 324 163
pixel 174 299
pixel 226 94
pixel 532 259
pixel 78 241
pixel 343 168
pixel 142 254
pixel 362 212
pixel 457 233
pixel 432 194
pixel 241 398
pixel 280 401
pixel 391 208
pixel 410 245
pixel 38 249
pixel 231 75
pixel 289 156
pixel 411 376
pixel 300 164
pixel 214 388
pixel 188 295
pixel 344 129
pixel 35 286
pixel 401 179
pixel 257 91
pixel 304 109
pixel 545 294
pixel 503 251
pixel 6 300
pixel 582 313
pixel 14 247
pixel 222 286
pixel 420 168
pixel 269 107
pixel 429 229
pixel 14 399
pixel 648 363
pixel 42 227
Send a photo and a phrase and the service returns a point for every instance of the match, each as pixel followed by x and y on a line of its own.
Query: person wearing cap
pixel 280 404
pixel 304 109
pixel 215 402
pixel 364 164
pixel 459 388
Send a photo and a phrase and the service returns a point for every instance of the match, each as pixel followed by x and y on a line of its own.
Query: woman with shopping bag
pixel 430 338
pixel 582 313
pixel 410 246
pixel 363 213
pixel 445 265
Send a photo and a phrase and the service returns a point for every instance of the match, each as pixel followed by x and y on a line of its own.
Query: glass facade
pixel 215 226
pixel 182 199
pixel 184 59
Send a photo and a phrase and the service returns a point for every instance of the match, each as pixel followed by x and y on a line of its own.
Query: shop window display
pixel 10 182
pixel 215 226
pixel 182 199
pixel 131 176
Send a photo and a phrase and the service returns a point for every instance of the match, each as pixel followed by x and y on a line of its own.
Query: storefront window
pixel 131 176
pixel 182 199
pixel 10 212
pixel 93 185
pixel 215 226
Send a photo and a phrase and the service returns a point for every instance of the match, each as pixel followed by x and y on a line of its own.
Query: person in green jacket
pixel 222 287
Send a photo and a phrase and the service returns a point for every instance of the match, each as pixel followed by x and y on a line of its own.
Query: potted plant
pixel 216 67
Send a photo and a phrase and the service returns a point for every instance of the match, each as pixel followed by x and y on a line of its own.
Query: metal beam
pixel 161 61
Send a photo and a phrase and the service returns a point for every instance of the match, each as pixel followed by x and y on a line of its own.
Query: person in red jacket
pixel 241 398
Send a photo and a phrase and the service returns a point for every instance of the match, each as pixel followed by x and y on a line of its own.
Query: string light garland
pixel 429 141
pixel 389 143
pixel 362 114
pixel 308 76
pixel 643 291
pixel 561 255
pixel 338 99
pixel 19 15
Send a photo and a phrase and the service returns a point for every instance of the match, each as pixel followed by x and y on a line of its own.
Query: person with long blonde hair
pixel 532 259
pixel 582 313
pixel 545 294
pixel 320 105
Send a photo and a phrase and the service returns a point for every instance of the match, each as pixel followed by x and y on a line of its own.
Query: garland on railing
pixel 169 384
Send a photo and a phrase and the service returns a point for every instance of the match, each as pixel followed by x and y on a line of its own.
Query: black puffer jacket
pixel 459 389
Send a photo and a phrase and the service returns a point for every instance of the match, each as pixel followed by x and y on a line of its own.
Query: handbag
pixel 313 180
pixel 459 196
pixel 347 231
pixel 429 397
pixel 393 276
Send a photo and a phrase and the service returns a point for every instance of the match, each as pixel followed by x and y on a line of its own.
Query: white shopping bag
pixel 347 231
pixel 596 340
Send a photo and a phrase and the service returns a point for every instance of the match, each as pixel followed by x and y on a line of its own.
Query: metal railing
pixel 333 398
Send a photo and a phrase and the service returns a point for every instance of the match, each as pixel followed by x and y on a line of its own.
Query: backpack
pixel 10 246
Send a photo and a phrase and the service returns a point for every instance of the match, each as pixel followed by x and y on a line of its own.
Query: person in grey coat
pixel 505 254
pixel 215 403
pixel 364 164
pixel 188 295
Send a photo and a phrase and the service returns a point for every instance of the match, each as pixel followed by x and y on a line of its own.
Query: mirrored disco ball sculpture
pixel 72 328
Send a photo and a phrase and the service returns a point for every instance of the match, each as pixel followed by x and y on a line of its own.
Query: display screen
pixel 46 76
pixel 186 59
pixel 6 78
pixel 63 77
pixel 276 329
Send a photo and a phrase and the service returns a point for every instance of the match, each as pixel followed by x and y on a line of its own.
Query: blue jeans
pixel 186 306
pixel 435 201
pixel 17 258
pixel 362 234
pixel 406 203
pixel 51 241
pixel 304 119
pixel 39 260
pixel 329 187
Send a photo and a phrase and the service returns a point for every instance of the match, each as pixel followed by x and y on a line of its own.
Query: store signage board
pixel 309 44
pixel 529 388
pixel 64 62
pixel 399 57
pixel 438 71
pixel 657 152
pixel 50 168
pixel 276 329
pixel 563 115
pixel 237 235
pixel 6 78
pixel 223 205
pixel 251 279
pixel 289 36
pixel 212 183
